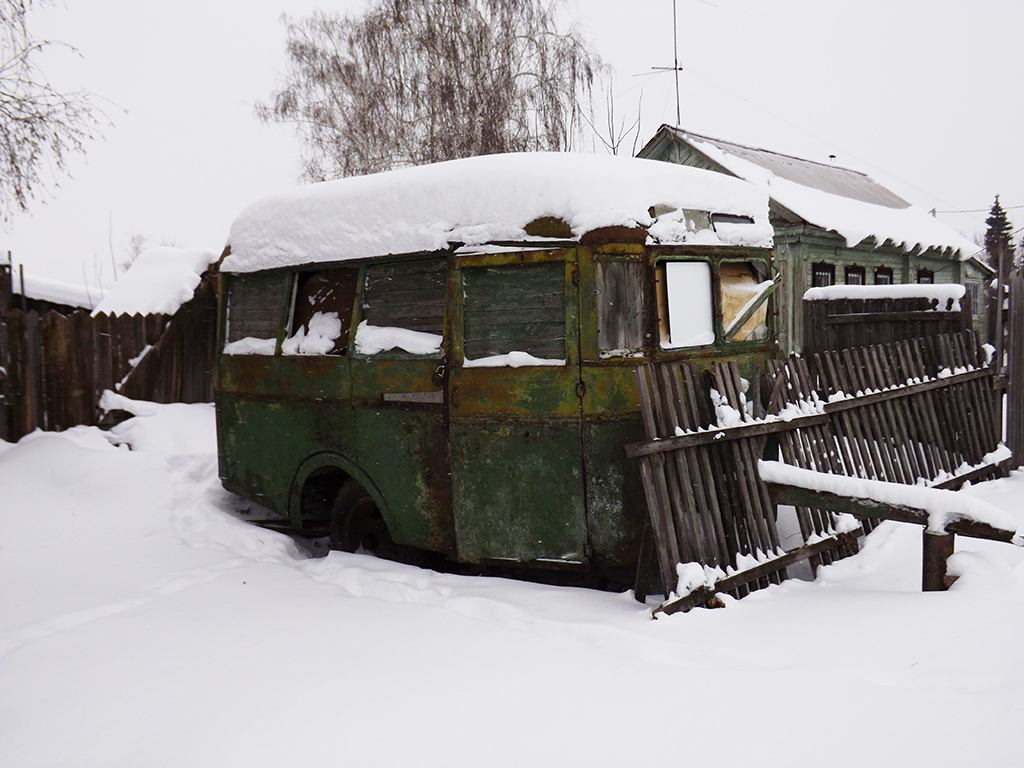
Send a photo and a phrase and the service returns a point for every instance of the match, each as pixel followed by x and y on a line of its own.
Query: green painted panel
pixel 518 490
pixel 615 501
pixel 320 376
pixel 404 451
pixel 403 447
pixel 610 388
pixel 374 376
pixel 263 441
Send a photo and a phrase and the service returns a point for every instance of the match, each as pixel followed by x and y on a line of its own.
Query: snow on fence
pixel 835 319
pixel 922 412
pixel 54 368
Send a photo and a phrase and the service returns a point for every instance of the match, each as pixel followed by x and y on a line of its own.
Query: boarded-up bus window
pixel 686 303
pixel 407 295
pixel 743 292
pixel 621 301
pixel 322 312
pixel 255 305
pixel 403 308
pixel 515 308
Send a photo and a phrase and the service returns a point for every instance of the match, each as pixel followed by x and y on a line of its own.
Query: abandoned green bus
pixel 441 358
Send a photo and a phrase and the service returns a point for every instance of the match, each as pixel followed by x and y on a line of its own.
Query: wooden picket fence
pixel 844 323
pixel 55 367
pixel 917 410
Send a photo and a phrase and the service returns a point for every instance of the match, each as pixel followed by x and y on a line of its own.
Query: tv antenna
pixel 675 55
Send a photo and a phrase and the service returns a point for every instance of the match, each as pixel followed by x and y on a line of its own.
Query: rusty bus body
pixel 474 401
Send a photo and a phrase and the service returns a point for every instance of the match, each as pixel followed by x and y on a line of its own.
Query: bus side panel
pixel 274 412
pixel 403 447
pixel 405 452
pixel 519 483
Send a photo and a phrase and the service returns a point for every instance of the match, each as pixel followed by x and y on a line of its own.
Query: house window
pixel 855 275
pixel 974 297
pixel 686 316
pixel 925 276
pixel 515 308
pixel 883 276
pixel 823 275
pixel 621 304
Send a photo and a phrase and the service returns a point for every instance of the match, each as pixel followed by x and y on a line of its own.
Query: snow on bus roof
pixel 491 199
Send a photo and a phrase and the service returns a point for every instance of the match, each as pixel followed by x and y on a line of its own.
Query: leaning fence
pixel 921 411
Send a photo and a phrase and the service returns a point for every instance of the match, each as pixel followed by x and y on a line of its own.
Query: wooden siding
pixel 515 308
pixel 620 299
pixel 254 306
pixel 407 295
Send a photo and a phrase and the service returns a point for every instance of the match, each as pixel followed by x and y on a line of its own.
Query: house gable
pixel 847 207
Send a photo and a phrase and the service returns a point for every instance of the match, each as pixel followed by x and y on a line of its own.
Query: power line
pixel 818 138
pixel 985 210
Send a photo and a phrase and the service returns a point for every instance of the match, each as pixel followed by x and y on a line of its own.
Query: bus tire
pixel 356 522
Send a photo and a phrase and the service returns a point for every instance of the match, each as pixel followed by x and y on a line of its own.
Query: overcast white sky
pixel 924 96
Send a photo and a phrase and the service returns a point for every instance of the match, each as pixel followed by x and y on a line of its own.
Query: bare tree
pixel 137 243
pixel 617 132
pixel 40 127
pixel 419 81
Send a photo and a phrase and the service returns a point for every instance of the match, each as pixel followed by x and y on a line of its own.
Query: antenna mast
pixel 675 62
pixel 675 57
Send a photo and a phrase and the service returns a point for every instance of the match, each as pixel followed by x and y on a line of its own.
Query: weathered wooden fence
pixel 844 323
pixel 903 412
pixel 181 365
pixel 1015 367
pixel 55 367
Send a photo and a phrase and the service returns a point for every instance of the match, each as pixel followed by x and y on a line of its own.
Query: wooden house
pixel 834 226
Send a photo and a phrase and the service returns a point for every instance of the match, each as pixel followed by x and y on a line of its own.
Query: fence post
pixel 1015 369
pixel 937 548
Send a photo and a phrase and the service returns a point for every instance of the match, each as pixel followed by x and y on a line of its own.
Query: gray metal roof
pixel 827 178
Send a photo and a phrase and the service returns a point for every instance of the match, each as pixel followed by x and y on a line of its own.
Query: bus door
pixel 514 396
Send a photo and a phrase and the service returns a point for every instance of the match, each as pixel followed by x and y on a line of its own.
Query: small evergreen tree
pixel 999 239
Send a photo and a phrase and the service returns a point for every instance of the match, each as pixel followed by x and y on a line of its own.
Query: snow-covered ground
pixel 142 623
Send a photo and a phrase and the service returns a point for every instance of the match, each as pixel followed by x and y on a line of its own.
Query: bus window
pixel 322 312
pixel 403 308
pixel 514 315
pixel 743 293
pixel 621 302
pixel 255 305
pixel 687 312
